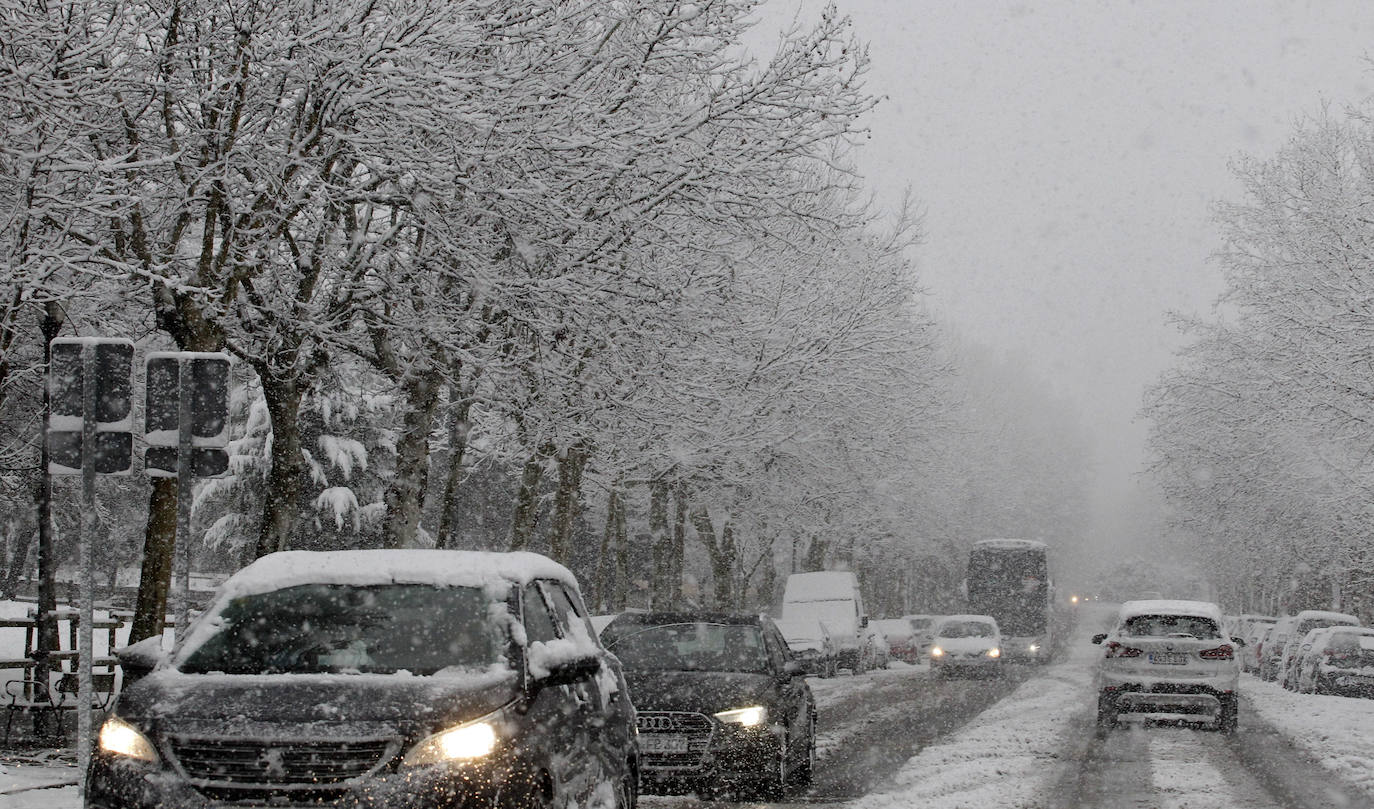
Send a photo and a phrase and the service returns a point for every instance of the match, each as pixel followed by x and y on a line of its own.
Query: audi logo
pixel 656 723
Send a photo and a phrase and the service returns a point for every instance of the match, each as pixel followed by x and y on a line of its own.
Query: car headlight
pixel 936 651
pixel 461 743
pixel 120 738
pixel 994 652
pixel 744 717
pixel 1034 647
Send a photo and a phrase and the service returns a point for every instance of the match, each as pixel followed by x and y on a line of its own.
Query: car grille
pixel 253 763
pixel 696 727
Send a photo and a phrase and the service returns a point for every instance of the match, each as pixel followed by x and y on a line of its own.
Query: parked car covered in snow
pixel 1303 623
pixel 966 644
pixel 376 678
pixel 1339 660
pixel 1252 630
pixel 812 645
pixel 1167 657
pixel 923 626
pixel 902 642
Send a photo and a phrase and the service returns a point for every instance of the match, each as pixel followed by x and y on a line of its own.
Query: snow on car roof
pixel 1170 606
pixel 1010 544
pixel 1327 615
pixel 986 619
pixel 410 566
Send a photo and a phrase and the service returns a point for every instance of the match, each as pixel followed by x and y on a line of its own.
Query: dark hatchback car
pixel 403 678
pixel 721 703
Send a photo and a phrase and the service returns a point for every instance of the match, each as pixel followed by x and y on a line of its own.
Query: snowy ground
pixel 1334 731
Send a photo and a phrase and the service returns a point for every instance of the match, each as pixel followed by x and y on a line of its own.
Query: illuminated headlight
pixel 936 651
pixel 744 717
pixel 120 738
pixel 1034 647
pixel 994 652
pixel 461 743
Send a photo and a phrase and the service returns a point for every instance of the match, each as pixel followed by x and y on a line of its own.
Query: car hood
pixel 699 691
pixel 173 699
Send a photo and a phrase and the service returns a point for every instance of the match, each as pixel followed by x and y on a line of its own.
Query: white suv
pixel 1168 657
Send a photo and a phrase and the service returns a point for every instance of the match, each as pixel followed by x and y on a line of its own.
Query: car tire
pixel 1229 715
pixel 773 786
pixel 802 777
pixel 1106 713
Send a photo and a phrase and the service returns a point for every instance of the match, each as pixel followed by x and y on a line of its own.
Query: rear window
pixel 1171 626
pixel 690 647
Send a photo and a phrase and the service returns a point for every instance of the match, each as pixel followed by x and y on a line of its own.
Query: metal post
pixel 185 479
pixel 85 639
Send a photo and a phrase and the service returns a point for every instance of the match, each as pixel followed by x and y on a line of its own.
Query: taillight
pixel 1115 649
pixel 1222 652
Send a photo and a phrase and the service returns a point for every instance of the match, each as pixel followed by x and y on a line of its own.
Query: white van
pixel 832 598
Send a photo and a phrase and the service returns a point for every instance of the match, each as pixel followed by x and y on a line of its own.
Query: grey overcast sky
pixel 1066 153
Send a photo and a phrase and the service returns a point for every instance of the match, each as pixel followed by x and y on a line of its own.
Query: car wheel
pixel 523 792
pixel 1228 716
pixel 1106 713
pixel 804 774
pixel 772 785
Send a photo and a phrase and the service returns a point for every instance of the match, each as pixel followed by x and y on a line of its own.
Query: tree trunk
pixel 723 555
pixel 159 549
pixel 603 556
pixel 677 549
pixel 527 500
pixel 567 502
pixel 620 589
pixel 405 496
pixel 459 425
pixel 662 589
pixel 282 503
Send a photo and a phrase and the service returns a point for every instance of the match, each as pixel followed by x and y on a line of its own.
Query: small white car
pixel 966 643
pixel 1304 622
pixel 1165 658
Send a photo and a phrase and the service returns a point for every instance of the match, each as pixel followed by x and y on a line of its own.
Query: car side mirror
pixel 1238 641
pixel 567 672
pixel 790 670
pixel 137 660
pixel 1098 638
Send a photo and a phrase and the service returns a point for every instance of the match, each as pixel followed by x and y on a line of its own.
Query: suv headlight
pixel 744 717
pixel 464 742
pixel 119 738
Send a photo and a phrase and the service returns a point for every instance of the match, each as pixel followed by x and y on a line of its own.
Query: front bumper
pixel 706 755
pixel 127 784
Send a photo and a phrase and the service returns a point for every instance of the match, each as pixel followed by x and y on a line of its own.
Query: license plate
pixel 662 743
pixel 1169 658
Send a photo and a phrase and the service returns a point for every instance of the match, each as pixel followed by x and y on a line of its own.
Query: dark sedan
pixel 378 679
pixel 721 702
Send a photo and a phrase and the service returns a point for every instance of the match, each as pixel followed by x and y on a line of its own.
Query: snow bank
pixel 1334 731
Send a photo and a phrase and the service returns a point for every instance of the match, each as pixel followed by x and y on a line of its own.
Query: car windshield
pixel 1171 626
pixel 334 628
pixel 692 647
pixel 966 629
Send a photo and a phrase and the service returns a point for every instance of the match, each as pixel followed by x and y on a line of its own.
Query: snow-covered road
pixel 901 738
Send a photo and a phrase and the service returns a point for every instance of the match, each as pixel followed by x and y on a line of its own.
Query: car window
pixel 539 625
pixel 696 646
pixel 349 629
pixel 1166 626
pixel 567 609
pixel 966 629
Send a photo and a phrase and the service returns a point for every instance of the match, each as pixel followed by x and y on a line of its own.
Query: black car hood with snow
pixel 699 691
pixel 170 698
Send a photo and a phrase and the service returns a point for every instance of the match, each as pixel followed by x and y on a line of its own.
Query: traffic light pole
pixel 85 631
pixel 185 479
